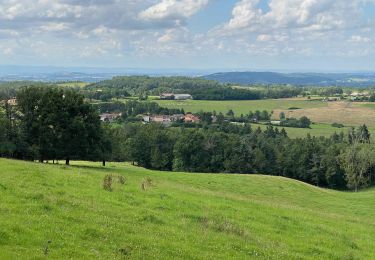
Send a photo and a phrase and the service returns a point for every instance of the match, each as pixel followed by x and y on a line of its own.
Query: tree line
pixel 199 88
pixel 341 161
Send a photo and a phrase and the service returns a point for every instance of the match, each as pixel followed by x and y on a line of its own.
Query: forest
pixel 199 88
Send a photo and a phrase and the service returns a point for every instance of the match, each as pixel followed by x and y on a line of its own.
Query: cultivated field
pixel 347 113
pixel 64 213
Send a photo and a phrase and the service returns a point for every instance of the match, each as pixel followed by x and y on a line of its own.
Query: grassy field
pixel 64 213
pixel 366 105
pixel 315 130
pixel 73 84
pixel 240 106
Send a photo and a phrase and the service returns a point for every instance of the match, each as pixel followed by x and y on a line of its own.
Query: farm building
pixel 163 119
pixel 190 118
pixel 182 96
pixel 109 117
pixel 330 99
pixel 11 102
pixel 168 119
pixel 170 96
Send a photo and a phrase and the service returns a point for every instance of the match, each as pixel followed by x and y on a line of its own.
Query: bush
pixel 303 122
pixel 337 125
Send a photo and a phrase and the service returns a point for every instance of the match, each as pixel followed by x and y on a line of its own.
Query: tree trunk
pixel 103 163
pixel 67 161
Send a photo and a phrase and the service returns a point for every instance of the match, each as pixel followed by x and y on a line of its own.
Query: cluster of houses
pixel 11 102
pixel 171 96
pixel 109 117
pixel 169 119
pixel 359 95
pixel 162 119
pixel 353 96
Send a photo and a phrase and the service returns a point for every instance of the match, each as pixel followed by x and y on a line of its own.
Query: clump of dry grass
pixel 107 182
pixel 146 183
pixel 121 179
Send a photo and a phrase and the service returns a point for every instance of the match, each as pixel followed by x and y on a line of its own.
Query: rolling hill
pixel 314 79
pixel 64 212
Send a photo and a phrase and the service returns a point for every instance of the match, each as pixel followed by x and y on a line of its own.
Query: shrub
pixel 337 125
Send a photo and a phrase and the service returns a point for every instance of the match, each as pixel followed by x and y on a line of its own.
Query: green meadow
pixel 366 105
pixel 240 106
pixel 63 212
pixel 325 130
pixel 73 84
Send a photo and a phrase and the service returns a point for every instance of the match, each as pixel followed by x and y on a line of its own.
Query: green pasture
pixel 73 84
pixel 63 212
pixel 240 106
pixel 317 130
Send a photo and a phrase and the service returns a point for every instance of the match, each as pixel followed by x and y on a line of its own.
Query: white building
pixel 182 96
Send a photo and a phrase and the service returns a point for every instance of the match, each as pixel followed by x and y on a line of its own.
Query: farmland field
pixel 241 106
pixel 347 113
pixel 365 104
pixel 73 84
pixel 315 130
pixel 63 212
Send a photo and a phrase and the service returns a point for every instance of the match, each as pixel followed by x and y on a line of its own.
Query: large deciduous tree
pixel 58 124
pixel 358 162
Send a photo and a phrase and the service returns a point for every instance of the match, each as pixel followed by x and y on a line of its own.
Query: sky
pixel 284 35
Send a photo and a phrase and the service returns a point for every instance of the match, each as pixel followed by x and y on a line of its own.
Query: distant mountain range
pixel 305 79
pixel 86 74
pixel 53 74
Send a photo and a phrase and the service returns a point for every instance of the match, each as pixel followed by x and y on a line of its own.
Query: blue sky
pixel 283 35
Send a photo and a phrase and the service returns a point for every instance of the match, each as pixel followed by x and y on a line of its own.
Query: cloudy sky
pixel 315 35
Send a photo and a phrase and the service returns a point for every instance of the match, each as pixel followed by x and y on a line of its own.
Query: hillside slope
pixel 178 215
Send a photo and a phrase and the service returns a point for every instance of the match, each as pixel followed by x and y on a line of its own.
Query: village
pixel 166 120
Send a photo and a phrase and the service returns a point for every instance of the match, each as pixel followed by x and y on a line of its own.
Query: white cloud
pixel 244 14
pixel 359 39
pixel 173 9
pixel 264 38
pixel 295 27
pixel 7 51
pixel 295 14
pixel 54 27
pixel 118 29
